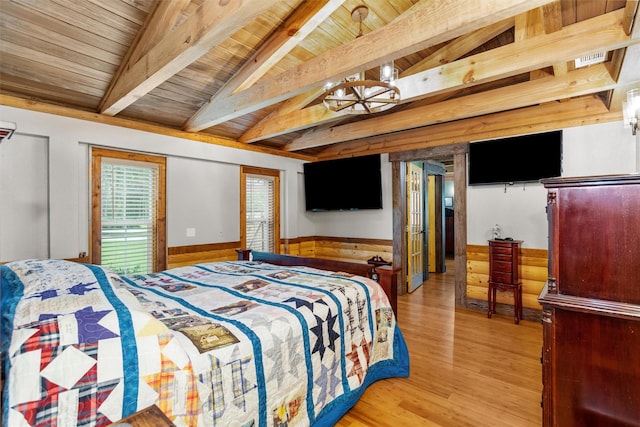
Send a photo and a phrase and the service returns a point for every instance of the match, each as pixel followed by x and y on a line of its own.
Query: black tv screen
pixel 344 184
pixel 523 158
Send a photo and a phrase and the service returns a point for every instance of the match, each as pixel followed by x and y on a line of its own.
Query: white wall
pixel 202 182
pixel 203 186
pixel 600 149
pixel 203 191
pixel 209 186
pixel 24 215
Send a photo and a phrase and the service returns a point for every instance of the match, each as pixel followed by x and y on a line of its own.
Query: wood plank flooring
pixel 466 369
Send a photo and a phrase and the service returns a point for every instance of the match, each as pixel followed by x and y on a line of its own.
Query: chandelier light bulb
pixel 387 72
pixel 355 94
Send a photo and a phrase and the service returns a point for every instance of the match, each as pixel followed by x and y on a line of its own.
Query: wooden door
pixel 415 226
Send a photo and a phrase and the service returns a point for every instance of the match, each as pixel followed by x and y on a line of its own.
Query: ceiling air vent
pixel 594 58
pixel 6 130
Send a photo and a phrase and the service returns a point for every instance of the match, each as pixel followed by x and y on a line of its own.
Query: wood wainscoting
pixel 335 248
pixel 179 256
pixel 338 248
pixel 533 274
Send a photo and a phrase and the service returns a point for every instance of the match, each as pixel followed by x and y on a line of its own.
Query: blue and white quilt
pixel 236 343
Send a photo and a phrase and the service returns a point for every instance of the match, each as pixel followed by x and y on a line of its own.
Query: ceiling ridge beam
pixel 422 28
pixel 576 83
pixel 205 28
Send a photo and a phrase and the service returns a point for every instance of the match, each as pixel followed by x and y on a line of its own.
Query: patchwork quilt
pixel 237 343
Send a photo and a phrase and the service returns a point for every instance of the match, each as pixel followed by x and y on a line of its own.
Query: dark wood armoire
pixel 591 302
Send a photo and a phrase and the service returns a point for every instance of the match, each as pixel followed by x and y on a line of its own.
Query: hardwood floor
pixel 466 369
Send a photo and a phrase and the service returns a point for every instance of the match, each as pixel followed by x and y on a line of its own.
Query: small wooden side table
pixel 504 274
pixel 147 417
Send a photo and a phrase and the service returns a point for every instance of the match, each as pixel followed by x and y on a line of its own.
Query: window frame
pixel 160 228
pixel 271 173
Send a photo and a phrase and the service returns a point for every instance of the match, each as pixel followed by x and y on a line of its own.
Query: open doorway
pixel 399 162
pixel 425 221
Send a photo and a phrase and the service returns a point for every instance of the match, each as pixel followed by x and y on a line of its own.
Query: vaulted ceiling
pixel 250 74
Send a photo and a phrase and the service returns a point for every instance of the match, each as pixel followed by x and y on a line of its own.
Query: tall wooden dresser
pixel 591 302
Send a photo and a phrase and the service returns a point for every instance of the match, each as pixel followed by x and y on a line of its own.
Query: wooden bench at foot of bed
pixel 387 275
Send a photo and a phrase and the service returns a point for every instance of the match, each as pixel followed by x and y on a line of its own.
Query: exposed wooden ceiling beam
pixel 604 32
pixel 527 26
pixel 282 121
pixel 459 47
pixel 289 118
pixel 296 28
pixel 628 59
pixel 159 22
pixel 631 16
pixel 291 105
pixel 209 25
pixel 549 116
pixel 576 83
pixel 552 20
pixel 428 24
pixel 303 21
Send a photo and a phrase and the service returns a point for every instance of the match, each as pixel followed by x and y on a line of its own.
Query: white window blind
pixel 260 212
pixel 128 210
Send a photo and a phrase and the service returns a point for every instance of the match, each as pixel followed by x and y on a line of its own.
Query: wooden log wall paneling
pixel 300 246
pixel 533 274
pixel 346 249
pixel 336 248
pixel 179 256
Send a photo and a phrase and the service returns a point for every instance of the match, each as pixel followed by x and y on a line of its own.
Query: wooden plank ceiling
pixel 250 73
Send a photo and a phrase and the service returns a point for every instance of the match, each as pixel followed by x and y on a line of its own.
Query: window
pixel 260 209
pixel 128 211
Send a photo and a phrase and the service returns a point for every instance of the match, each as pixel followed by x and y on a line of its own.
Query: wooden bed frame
pixel 387 276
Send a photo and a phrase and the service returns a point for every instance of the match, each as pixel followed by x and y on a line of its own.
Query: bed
pixel 238 343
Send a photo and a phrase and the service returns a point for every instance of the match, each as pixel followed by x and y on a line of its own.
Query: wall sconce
pixel 631 110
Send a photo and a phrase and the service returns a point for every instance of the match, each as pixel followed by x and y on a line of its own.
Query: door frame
pixel 433 168
pixel 399 199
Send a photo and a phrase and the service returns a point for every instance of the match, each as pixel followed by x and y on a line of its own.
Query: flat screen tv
pixel 347 184
pixel 525 158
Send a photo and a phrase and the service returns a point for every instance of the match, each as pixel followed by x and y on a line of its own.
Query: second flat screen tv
pixel 344 184
pixel 525 158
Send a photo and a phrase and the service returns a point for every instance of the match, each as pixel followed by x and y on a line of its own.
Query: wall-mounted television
pixel 348 184
pixel 525 158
